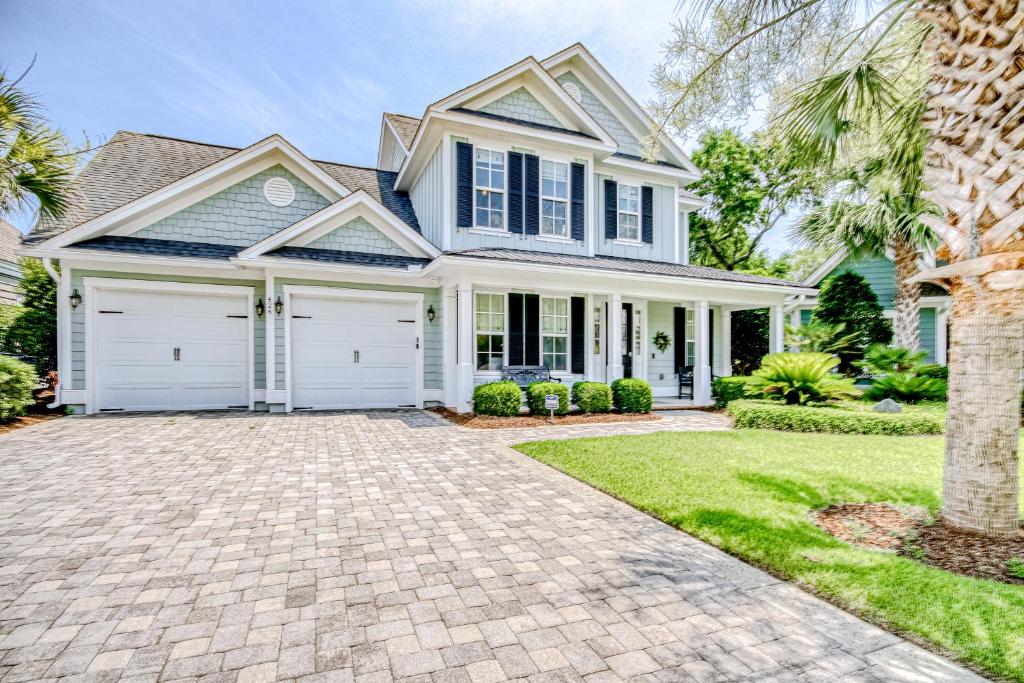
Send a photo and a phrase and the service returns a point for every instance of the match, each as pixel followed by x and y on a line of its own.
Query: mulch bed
pixel 34 414
pixel 493 422
pixel 912 533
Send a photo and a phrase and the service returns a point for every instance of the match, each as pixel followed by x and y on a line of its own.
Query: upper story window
pixel 489 189
pixel 554 331
pixel 490 331
pixel 629 212
pixel 554 191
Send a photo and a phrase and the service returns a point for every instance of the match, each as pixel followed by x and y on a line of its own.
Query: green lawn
pixel 749 492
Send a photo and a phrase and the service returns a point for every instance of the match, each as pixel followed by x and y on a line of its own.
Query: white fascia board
pixel 691 203
pixel 358 203
pixel 452 264
pixel 340 272
pixel 120 259
pixel 204 183
pixel 524 134
pixel 423 144
pixel 642 167
pixel 831 263
pixel 642 124
pixel 385 125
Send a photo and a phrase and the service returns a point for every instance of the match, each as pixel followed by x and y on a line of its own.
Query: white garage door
pixel 159 350
pixel 353 353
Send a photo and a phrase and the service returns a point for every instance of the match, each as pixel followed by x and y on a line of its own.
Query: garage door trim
pixel 93 285
pixel 358 294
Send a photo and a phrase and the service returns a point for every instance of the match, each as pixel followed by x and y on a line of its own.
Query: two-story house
pixel 516 222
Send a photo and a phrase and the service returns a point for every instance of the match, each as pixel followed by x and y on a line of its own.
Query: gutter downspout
pixel 61 324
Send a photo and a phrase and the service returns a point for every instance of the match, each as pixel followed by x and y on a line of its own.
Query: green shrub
pixel 933 370
pixel 592 397
pixel 632 395
pixel 801 378
pixel 497 398
pixel 729 389
pixel 880 359
pixel 907 388
pixel 795 418
pixel 535 397
pixel 17 380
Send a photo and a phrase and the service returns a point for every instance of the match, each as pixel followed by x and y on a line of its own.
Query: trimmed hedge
pixel 787 418
pixel 729 389
pixel 497 398
pixel 536 391
pixel 592 397
pixel 17 380
pixel 632 395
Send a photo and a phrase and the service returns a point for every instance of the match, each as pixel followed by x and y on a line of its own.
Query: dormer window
pixel 489 189
pixel 554 191
pixel 629 212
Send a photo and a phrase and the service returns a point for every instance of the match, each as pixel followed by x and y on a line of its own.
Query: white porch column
pixel 465 352
pixel 270 342
pixel 614 336
pixel 701 361
pixel 776 329
pixel 449 344
pixel 726 341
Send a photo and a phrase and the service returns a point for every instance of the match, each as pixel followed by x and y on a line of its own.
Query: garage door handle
pixel 177 353
pixel 355 355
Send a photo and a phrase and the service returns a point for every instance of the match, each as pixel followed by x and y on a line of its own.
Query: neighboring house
pixel 10 272
pixel 878 271
pixel 515 223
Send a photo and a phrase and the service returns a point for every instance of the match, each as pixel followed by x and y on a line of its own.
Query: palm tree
pixel 877 213
pixel 973 112
pixel 36 162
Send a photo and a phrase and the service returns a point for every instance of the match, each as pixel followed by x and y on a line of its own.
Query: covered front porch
pixel 652 330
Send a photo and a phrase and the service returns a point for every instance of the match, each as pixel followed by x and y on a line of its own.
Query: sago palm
pixel 973 113
pixel 800 378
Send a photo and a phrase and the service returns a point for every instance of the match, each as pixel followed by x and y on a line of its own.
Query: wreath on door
pixel 662 341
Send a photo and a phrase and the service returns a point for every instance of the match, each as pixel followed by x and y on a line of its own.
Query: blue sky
pixel 319 72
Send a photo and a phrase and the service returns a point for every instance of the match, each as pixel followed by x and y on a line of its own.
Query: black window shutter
pixel 515 329
pixel 515 192
pixel 576 191
pixel 679 335
pixel 531 354
pixel 611 217
pixel 577 329
pixel 464 181
pixel 647 214
pixel 532 212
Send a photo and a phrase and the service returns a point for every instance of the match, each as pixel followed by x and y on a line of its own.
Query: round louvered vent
pixel 279 191
pixel 574 91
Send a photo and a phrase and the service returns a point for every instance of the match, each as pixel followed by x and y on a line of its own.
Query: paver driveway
pixel 376 546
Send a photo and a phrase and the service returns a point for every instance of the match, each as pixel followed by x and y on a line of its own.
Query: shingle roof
pixel 522 122
pixel 10 239
pixel 331 256
pixel 405 126
pixel 151 247
pixel 132 165
pixel 656 162
pixel 625 265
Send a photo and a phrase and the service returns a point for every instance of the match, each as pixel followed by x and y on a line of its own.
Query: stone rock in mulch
pixel 909 531
pixel 886 405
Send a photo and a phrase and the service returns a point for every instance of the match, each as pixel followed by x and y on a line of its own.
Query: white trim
pixel 448 197
pixel 504 188
pixel 359 294
pixel 830 264
pixel 203 183
pixel 566 202
pixel 357 204
pixel 493 232
pixel 638 213
pixel 92 284
pixel 270 342
pixel 648 168
pixel 385 124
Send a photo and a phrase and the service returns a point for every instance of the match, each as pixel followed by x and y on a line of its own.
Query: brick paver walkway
pixel 375 546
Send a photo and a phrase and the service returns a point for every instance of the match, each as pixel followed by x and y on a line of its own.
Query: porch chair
pixel 685 381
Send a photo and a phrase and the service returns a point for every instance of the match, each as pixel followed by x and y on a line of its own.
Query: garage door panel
pixel 324 371
pixel 139 397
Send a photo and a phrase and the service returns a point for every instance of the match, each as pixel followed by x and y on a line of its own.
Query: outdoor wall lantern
pixel 75 298
pixel 278 306
pixel 260 308
pixel 430 313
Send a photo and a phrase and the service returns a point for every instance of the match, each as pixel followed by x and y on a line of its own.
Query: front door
pixel 627 340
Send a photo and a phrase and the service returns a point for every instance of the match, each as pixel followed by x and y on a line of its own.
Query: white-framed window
pixel 629 212
pixel 597 331
pixel 554 333
pixel 691 349
pixel 490 331
pixel 489 189
pixel 554 198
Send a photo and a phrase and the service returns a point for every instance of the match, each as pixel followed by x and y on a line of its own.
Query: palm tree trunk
pixel 980 487
pixel 907 300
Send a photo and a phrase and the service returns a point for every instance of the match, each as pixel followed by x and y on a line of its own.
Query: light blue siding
pixel 360 236
pixel 927 332
pixel 661 365
pixel 238 215
pixel 879 274
pixel 626 141
pixel 428 198
pixel 664 246
pixel 521 104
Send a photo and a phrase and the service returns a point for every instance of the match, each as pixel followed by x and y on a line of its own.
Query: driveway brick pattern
pixel 378 546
